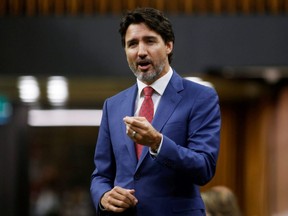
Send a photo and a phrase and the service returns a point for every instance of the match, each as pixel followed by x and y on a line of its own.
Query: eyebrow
pixel 150 37
pixel 145 38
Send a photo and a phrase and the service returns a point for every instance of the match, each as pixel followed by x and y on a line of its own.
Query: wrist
pixel 155 146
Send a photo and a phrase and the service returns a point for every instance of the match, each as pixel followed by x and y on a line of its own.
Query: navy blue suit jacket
pixel 188 116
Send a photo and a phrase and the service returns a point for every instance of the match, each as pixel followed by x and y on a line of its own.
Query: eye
pixel 131 44
pixel 151 41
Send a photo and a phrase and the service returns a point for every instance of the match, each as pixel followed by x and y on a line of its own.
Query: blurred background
pixel 60 59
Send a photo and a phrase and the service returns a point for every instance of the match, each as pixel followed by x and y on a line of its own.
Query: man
pixel 180 145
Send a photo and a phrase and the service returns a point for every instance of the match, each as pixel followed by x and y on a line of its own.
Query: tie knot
pixel 148 91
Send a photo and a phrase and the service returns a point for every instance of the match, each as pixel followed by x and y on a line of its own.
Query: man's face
pixel 146 52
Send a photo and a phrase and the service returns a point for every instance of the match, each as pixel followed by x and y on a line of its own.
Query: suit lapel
pixel 168 102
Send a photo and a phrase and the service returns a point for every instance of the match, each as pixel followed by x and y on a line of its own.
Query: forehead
pixel 139 30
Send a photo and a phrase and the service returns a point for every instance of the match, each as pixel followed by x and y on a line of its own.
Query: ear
pixel 169 47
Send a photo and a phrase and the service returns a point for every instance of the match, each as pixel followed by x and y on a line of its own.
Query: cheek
pixel 160 56
pixel 129 59
pixel 160 52
pixel 130 56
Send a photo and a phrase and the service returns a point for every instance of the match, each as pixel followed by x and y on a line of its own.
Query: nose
pixel 142 50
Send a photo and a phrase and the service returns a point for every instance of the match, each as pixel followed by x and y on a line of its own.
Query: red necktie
pixel 147 111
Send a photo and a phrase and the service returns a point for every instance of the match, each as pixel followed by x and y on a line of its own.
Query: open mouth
pixel 144 64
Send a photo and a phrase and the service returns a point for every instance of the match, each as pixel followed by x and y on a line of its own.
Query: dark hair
pixel 154 19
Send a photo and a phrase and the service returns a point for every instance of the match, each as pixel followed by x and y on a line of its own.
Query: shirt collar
pixel 159 85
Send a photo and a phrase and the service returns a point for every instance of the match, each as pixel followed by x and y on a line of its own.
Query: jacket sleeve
pixel 197 155
pixel 103 175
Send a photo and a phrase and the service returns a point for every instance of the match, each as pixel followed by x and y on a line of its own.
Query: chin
pixel 148 78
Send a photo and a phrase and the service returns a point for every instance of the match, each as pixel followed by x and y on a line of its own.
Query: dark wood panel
pixel 88 7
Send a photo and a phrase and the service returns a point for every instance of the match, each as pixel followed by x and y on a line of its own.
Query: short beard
pixel 147 77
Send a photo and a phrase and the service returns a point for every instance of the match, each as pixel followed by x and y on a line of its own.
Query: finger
pixel 126 195
pixel 115 208
pixel 134 134
pixel 135 121
pixel 131 131
pixel 115 204
pixel 119 202
pixel 137 125
pixel 129 195
pixel 132 191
